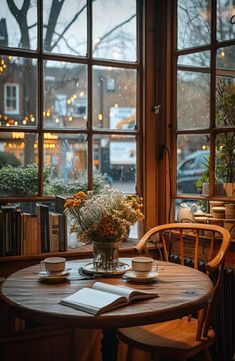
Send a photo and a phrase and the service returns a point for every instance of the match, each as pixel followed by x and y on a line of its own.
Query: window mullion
pixel 90 97
pixel 40 100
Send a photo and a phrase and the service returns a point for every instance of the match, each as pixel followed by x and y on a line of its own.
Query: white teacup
pixel 53 264
pixel 143 265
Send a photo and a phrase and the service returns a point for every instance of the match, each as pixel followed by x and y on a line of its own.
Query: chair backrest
pixel 198 235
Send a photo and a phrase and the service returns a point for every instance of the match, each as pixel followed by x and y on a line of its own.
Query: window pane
pixel 201 59
pixel 192 163
pixel 20 74
pixel 194 19
pixel 193 100
pixel 65 92
pixel 199 209
pixel 65 157
pixel 225 20
pixel 115 157
pixel 11 35
pixel 18 164
pixel 226 58
pixel 114 102
pixel 225 102
pixel 225 163
pixel 65 27
pixel 114 29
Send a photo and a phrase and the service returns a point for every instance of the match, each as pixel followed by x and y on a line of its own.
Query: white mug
pixel 143 265
pixel 53 264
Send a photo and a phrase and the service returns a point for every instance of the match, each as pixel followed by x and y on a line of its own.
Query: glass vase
pixel 105 256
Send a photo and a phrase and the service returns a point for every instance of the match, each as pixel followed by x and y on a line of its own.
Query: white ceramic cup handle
pixel 42 266
pixel 155 266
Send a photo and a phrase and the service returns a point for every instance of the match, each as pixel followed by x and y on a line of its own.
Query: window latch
pixel 156 108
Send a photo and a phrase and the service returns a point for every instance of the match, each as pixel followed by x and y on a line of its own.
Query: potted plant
pixel 225 142
pixel 203 182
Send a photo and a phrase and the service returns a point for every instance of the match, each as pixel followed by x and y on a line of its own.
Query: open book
pixel 104 297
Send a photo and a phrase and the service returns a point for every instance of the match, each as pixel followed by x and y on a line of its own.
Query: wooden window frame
pixel 39 55
pixel 172 131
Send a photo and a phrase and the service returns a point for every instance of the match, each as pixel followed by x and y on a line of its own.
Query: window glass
pixel 65 158
pixel 65 27
pixel 18 164
pixel 65 95
pixel 194 21
pixel 19 84
pixel 226 58
pixel 18 24
pixel 114 102
pixel 225 20
pixel 201 59
pixel 225 163
pixel 193 100
pixel 114 29
pixel 225 102
pixel 81 109
pixel 115 157
pixel 192 163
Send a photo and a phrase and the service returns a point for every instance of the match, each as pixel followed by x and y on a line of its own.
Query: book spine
pixel 6 229
pixel 24 234
pixel 18 233
pixel 7 226
pixel 54 232
pixel 42 212
pixel 39 233
pixel 63 237
pixel 45 230
pixel 33 234
pixel 14 232
pixel 2 243
pixel 59 203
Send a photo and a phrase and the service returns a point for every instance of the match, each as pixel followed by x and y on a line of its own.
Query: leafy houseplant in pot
pixel 104 219
pixel 203 183
pixel 225 142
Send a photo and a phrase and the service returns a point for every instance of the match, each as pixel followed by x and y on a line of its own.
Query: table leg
pixel 109 345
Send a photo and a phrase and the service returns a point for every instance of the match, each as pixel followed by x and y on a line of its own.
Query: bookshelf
pixel 32 229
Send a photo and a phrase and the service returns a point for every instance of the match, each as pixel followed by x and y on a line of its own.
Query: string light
pixel 15 122
pixel 3 66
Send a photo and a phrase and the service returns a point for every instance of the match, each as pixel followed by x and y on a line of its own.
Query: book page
pixel 93 299
pixel 117 290
pixel 128 292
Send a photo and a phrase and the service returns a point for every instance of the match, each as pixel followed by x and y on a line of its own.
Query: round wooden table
pixel 182 290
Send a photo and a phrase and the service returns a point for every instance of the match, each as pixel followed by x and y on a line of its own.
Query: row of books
pixel 23 233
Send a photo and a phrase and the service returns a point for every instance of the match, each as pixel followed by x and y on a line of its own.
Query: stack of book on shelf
pixel 23 233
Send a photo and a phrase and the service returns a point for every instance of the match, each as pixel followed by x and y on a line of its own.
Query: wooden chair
pixel 182 338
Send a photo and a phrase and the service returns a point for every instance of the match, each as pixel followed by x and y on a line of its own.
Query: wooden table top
pixel 182 290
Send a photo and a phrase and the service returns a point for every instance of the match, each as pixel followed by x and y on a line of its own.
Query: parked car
pixel 190 169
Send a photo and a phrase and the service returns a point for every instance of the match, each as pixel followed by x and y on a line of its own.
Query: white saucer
pixel 149 277
pixel 48 277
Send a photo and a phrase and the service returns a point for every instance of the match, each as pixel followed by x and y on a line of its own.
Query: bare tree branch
pixel 67 27
pixel 21 18
pixel 114 29
pixel 52 21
